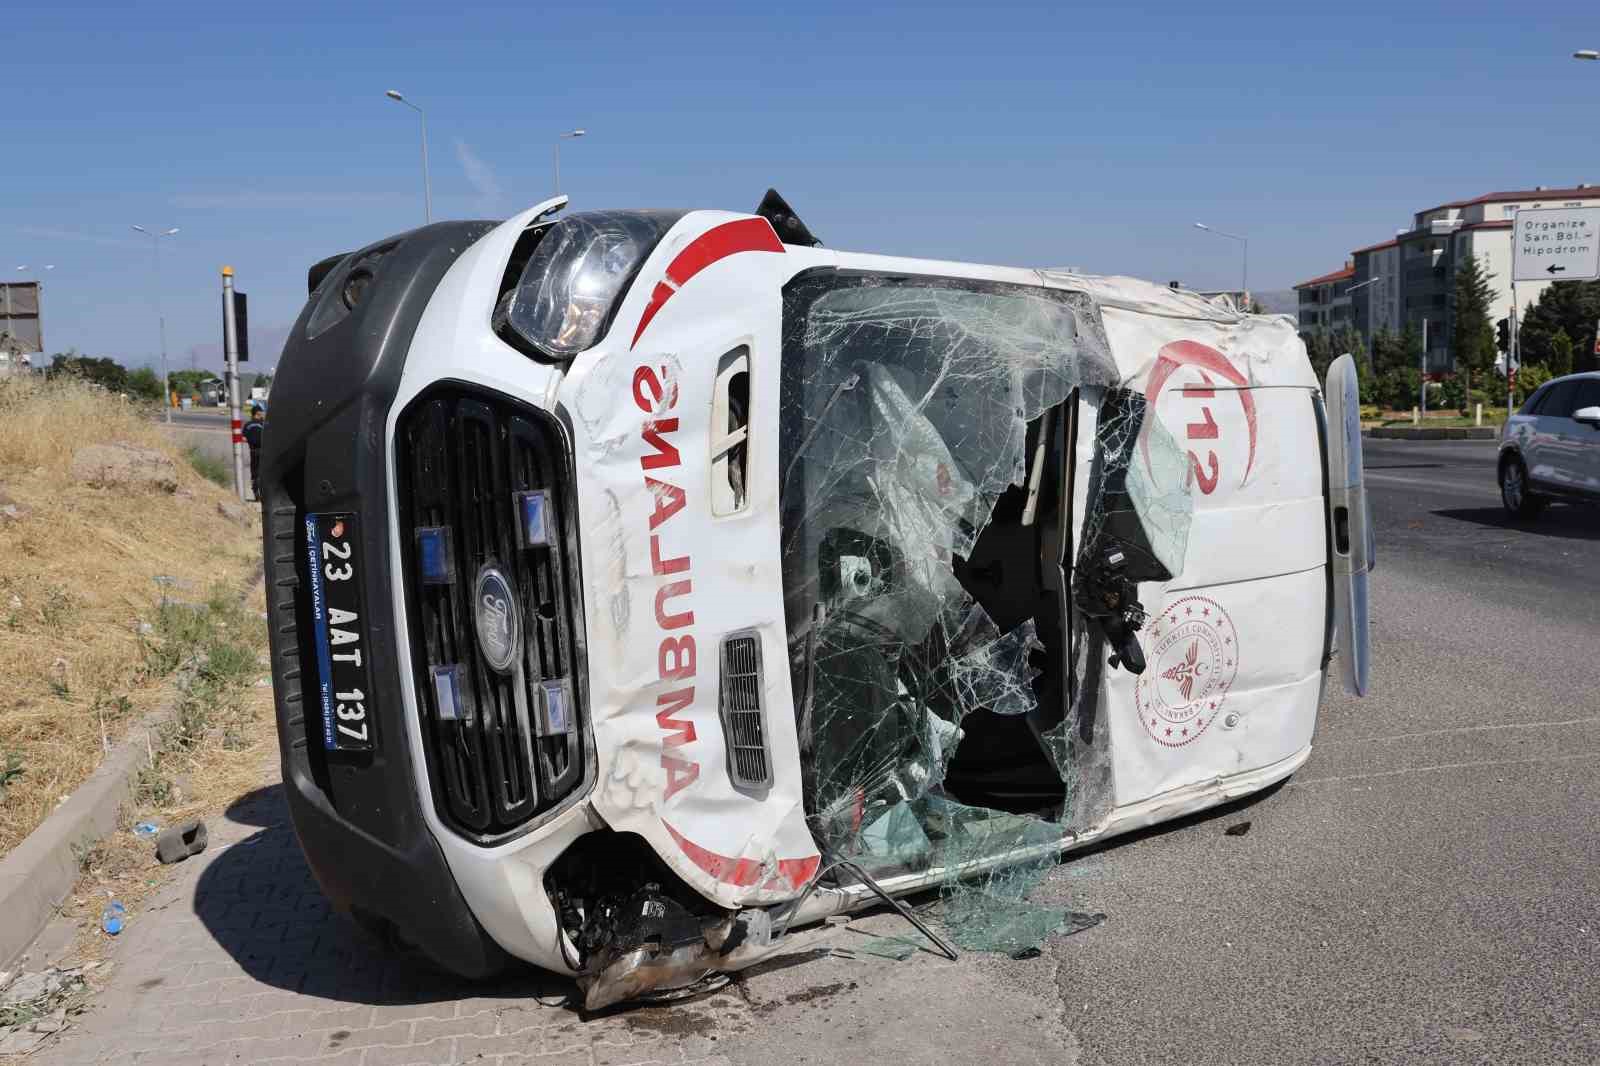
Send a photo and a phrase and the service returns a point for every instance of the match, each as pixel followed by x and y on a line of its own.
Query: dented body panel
pixel 831 462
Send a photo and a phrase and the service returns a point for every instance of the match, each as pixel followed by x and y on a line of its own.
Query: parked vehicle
pixel 1550 448
pixel 648 583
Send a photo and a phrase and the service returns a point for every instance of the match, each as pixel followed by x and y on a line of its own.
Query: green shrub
pixel 1400 389
pixel 11 768
pixel 1453 392
pixel 1529 378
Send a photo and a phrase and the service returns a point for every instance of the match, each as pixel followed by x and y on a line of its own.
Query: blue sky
pixel 1059 134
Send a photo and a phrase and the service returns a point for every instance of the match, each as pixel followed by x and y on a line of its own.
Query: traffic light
pixel 1502 331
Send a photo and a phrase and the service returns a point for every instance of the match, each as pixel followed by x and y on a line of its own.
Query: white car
pixel 645 583
pixel 1550 449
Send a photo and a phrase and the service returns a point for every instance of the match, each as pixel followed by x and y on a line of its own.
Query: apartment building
pixel 1375 290
pixel 1325 305
pixel 1412 277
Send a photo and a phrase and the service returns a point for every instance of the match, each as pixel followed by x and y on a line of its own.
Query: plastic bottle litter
pixel 146 829
pixel 111 918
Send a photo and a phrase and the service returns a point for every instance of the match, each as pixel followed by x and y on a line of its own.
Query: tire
pixel 1515 495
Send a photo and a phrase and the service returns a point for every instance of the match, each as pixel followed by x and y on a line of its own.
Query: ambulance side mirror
pixel 1349 527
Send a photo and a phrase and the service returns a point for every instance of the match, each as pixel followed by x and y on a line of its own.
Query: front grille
pixel 502 753
pixel 742 722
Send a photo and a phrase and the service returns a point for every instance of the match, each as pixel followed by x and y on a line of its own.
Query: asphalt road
pixel 1437 507
pixel 202 418
pixel 1427 888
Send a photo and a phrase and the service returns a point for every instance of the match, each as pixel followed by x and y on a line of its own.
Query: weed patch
pixel 209 466
pixel 213 648
pixel 11 768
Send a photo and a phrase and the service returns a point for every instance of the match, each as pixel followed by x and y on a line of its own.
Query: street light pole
pixel 427 185
pixel 1372 331
pixel 161 315
pixel 568 135
pixel 1424 388
pixel 1244 278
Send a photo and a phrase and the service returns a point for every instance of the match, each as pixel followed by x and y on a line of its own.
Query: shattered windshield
pixel 927 452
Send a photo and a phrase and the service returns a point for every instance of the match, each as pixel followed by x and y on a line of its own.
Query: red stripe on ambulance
pixel 719 242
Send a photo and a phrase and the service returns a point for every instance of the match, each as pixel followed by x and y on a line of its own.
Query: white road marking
pixel 1489 489
pixel 1464 729
pixel 1446 766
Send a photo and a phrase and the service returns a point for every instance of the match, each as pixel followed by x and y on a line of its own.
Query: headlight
pixel 576 276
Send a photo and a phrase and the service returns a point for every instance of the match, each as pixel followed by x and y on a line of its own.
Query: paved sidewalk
pixel 239 960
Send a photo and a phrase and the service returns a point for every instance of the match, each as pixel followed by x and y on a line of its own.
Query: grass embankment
pixel 109 597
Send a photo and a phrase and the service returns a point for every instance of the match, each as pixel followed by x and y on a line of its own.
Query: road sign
pixel 20 330
pixel 1556 244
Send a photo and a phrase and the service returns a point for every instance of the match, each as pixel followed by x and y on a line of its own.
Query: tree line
pixel 141 383
pixel 1557 337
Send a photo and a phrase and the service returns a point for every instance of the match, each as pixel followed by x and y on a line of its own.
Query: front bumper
pixel 361 821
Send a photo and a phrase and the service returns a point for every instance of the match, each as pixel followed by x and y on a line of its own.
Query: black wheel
pixel 1518 498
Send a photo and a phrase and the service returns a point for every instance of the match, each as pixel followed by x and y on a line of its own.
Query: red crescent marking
pixel 719 242
pixel 743 872
pixel 1193 353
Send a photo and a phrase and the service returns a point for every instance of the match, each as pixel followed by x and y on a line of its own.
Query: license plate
pixel 333 557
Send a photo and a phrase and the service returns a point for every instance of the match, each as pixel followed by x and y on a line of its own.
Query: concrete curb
pixel 1433 433
pixel 38 874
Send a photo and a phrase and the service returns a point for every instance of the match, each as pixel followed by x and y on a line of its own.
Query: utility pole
pixel 1513 355
pixel 155 245
pixel 230 351
pixel 1424 389
pixel 427 184
pixel 567 136
pixel 1244 270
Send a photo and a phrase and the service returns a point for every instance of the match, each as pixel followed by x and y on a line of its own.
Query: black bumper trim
pixel 360 819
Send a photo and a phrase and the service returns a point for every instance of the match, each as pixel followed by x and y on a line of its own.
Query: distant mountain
pixel 1278 301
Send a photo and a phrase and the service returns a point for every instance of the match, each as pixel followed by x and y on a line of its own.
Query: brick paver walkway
pixel 240 960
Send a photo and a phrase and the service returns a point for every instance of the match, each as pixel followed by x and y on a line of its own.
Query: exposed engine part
pixel 638 930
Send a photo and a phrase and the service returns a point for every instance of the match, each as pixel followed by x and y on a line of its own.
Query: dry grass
pixel 231 757
pixel 78 582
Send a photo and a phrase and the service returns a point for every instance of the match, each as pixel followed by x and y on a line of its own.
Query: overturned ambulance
pixel 646 585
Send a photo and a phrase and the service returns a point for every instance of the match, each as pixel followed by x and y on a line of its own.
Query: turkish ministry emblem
pixel 1193 661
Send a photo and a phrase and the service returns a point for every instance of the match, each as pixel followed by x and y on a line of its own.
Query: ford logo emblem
pixel 497 619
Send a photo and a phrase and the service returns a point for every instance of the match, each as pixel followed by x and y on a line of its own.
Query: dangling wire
pixel 781 925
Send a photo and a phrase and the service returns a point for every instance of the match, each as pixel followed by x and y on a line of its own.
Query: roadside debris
pixel 1078 921
pixel 112 917
pixel 35 1006
pixel 10 509
pixel 1237 830
pixel 146 829
pixel 897 948
pixel 181 841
